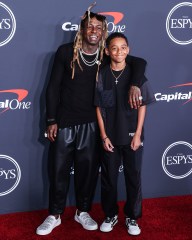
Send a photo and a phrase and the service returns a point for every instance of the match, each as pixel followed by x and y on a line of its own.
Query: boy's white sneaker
pixel 86 221
pixel 48 225
pixel 108 224
pixel 132 227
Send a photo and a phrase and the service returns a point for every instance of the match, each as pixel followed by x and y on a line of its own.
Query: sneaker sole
pixel 87 228
pixel 134 234
pixel 42 233
pixel 103 230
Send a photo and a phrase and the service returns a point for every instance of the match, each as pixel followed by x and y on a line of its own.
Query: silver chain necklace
pixel 117 77
pixel 89 63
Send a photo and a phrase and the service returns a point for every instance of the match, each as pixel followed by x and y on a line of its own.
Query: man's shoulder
pixel 65 52
pixel 66 47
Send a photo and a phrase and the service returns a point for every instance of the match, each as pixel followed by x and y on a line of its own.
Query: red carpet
pixel 163 219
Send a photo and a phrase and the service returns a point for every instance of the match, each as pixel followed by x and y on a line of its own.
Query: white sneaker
pixel 132 227
pixel 108 224
pixel 86 221
pixel 48 225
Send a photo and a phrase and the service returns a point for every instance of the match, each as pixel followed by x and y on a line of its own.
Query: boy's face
pixel 93 31
pixel 117 50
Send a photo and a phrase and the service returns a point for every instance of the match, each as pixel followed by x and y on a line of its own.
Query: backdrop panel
pixel 30 33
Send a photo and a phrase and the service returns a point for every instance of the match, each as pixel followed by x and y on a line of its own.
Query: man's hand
pixel 135 98
pixel 52 132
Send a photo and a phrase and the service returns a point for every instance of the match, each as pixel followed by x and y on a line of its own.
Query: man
pixel 71 120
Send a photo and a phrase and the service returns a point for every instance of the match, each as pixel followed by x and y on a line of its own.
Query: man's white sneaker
pixel 48 225
pixel 108 224
pixel 86 221
pixel 132 227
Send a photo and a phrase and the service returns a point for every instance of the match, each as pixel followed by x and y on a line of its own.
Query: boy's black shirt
pixel 119 119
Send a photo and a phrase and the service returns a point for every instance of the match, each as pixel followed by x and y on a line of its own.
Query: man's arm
pixel 138 66
pixel 53 95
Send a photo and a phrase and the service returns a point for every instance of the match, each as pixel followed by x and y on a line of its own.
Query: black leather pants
pixel 132 161
pixel 78 145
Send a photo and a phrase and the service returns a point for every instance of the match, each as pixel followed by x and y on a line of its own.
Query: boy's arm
pixel 101 124
pixel 140 121
pixel 136 141
pixel 106 141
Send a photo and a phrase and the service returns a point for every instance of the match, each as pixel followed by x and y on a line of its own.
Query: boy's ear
pixel 106 51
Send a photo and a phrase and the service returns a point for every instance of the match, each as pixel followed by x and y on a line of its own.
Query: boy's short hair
pixel 116 35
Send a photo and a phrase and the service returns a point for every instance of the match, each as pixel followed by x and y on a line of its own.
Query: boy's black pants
pixel 109 176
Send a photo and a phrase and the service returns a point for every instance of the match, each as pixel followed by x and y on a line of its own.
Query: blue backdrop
pixel 30 33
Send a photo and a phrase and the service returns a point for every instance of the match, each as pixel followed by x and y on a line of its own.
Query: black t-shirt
pixel 70 101
pixel 119 119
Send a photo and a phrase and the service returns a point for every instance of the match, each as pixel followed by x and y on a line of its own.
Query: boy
pixel 121 130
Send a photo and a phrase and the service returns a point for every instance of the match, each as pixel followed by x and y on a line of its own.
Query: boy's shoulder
pixel 104 68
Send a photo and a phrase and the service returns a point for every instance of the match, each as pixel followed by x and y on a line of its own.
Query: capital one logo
pixel 112 26
pixel 186 97
pixel 177 160
pixel 10 174
pixel 179 23
pixel 13 99
pixel 7 24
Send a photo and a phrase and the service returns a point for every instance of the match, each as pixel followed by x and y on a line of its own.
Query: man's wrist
pixel 51 121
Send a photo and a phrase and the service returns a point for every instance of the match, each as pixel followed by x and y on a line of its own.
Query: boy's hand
pixel 108 145
pixel 136 142
pixel 135 98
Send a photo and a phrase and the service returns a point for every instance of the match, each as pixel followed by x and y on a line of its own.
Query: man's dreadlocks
pixel 78 39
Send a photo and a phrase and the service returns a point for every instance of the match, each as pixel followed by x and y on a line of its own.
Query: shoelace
pixel 131 222
pixel 108 220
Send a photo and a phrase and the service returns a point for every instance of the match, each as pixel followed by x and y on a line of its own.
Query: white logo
pixel 177 160
pixel 173 97
pixel 7 24
pixel 179 23
pixel 14 104
pixel 10 174
pixel 111 27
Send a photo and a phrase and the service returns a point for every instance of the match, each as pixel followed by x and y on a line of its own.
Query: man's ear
pixel 106 51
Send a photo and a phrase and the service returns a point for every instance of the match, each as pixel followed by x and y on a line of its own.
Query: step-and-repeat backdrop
pixel 30 33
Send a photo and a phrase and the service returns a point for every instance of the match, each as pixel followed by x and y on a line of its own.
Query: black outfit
pixel 70 104
pixel 120 124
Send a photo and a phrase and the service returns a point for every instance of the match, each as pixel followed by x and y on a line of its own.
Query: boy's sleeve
pixel 147 93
